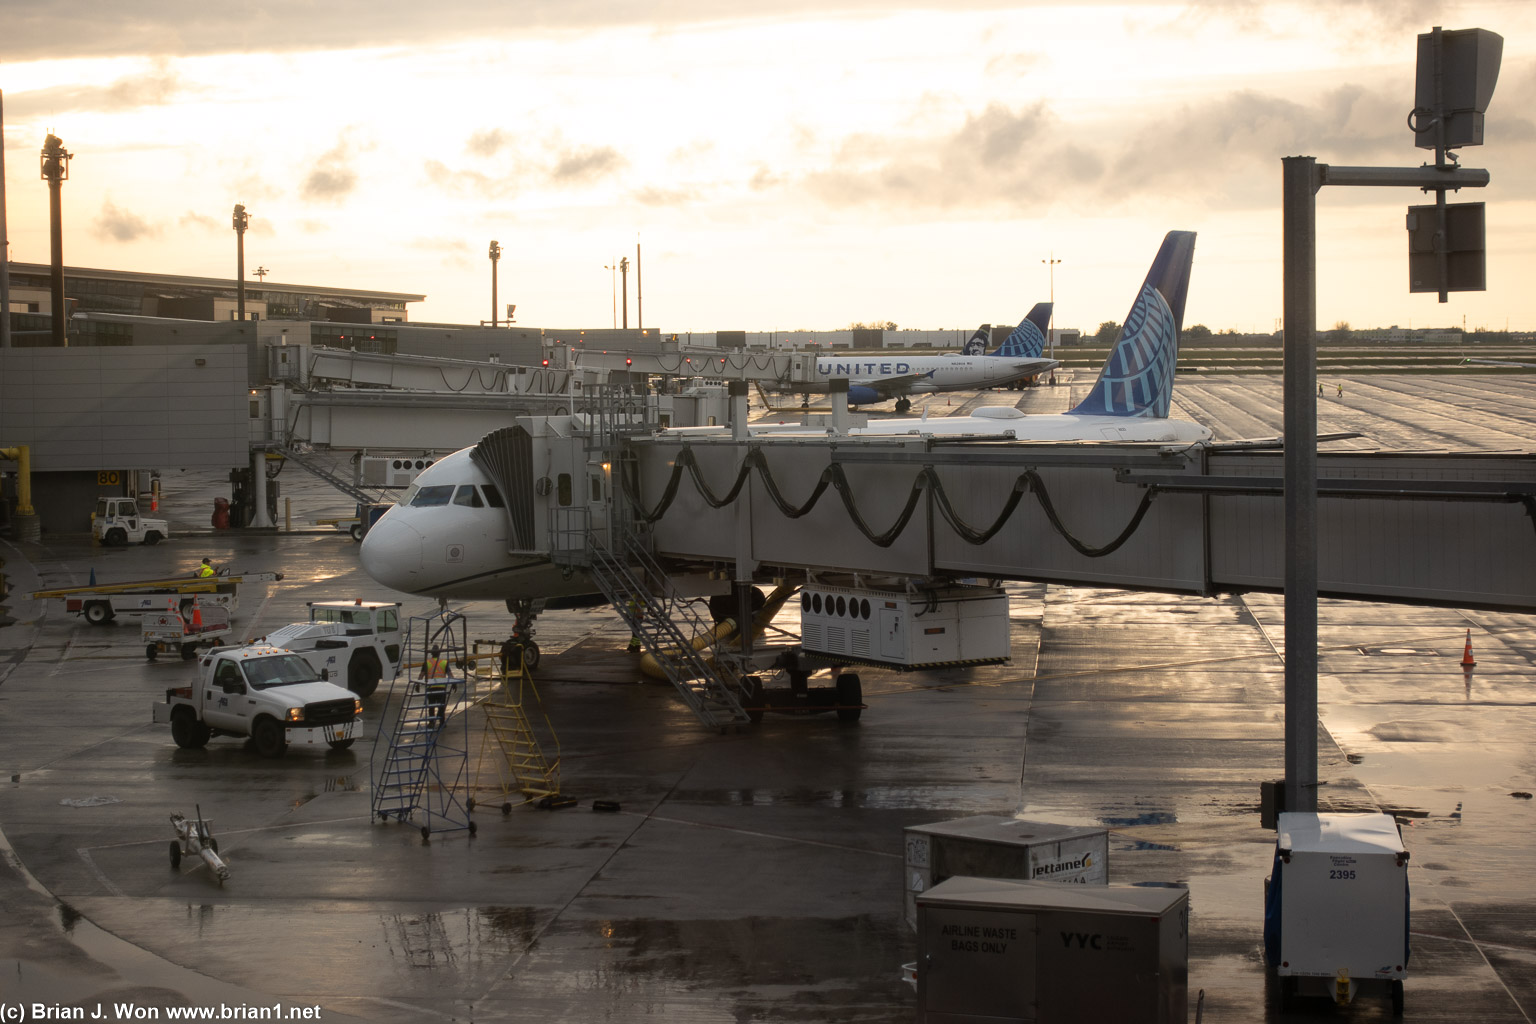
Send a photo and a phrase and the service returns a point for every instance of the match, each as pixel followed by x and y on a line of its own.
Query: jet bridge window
pixel 563 488
pixel 467 495
pixel 493 496
pixel 430 496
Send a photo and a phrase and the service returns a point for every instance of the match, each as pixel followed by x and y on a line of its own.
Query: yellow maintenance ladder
pixel 511 705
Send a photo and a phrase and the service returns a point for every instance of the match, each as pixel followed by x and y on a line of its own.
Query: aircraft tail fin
pixel 1137 378
pixel 1028 339
pixel 978 342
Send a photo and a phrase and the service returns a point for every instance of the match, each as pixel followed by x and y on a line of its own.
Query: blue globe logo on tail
pixel 1137 379
pixel 1026 342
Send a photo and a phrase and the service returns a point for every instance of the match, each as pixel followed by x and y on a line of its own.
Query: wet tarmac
pixel 757 876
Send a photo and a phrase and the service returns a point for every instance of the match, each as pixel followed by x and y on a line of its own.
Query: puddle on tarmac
pixel 1144 818
pixel 756 968
pixel 871 798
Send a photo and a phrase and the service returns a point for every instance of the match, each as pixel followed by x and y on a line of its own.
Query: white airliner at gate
pixel 1435 528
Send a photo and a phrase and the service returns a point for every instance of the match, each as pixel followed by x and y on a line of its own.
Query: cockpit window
pixel 493 496
pixel 429 496
pixel 467 495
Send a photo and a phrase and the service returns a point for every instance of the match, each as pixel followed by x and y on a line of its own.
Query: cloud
pixel 997 156
pixel 114 224
pixel 764 178
pixel 1014 65
pixel 487 143
pixel 585 165
pixel 1394 16
pixel 329 184
pixel 192 219
pixel 461 181
pixel 332 179
pixel 1218 153
pixel 96 28
pixel 158 86
pixel 653 195
pixel 559 166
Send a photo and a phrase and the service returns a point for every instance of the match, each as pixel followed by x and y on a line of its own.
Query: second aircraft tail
pixel 1028 339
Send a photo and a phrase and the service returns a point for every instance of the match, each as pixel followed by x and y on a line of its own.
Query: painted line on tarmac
pixel 100 875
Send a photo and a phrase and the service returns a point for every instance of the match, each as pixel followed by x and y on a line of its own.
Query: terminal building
pixel 158 373
pixel 198 298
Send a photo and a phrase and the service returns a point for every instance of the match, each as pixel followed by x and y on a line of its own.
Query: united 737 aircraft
pixel 876 378
pixel 452 535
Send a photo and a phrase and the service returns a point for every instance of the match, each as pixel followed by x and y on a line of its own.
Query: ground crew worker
pixel 435 670
pixel 1319 389
pixel 205 570
pixel 637 613
pixel 1341 390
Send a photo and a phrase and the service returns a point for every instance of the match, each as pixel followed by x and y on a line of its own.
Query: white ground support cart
pixel 1336 908
pixel 194 838
pixel 171 631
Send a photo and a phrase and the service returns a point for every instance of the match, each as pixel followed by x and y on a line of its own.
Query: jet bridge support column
pixel 837 392
pixel 260 519
pixel 746 565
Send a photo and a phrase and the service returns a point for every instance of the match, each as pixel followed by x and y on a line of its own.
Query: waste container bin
pixel 999 951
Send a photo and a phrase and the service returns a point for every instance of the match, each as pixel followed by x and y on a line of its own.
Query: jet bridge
pixel 1434 528
pixel 895 526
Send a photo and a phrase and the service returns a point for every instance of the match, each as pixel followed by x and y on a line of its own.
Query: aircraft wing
pixel 894 387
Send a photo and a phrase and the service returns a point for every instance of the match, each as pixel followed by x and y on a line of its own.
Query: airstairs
pixel 525 768
pixel 311 463
pixel 419 771
pixel 669 626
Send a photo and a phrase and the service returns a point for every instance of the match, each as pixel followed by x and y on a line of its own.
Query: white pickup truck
pixel 356 641
pixel 271 695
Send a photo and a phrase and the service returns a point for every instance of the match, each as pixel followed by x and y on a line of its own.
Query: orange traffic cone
pixel 1466 654
pixel 197 617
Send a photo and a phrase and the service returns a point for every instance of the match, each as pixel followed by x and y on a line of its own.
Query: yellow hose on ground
pixel 725 630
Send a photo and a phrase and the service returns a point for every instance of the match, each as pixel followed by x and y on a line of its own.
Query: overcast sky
pixel 789 165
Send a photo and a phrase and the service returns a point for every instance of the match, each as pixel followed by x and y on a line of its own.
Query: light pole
pixel 55 165
pixel 613 284
pixel 495 254
pixel 261 274
pixel 5 245
pixel 1050 333
pixel 624 273
pixel 241 221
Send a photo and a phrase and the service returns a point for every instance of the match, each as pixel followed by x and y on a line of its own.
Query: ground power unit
pixel 1336 908
pixel 997 951
pixel 993 846
pixel 895 626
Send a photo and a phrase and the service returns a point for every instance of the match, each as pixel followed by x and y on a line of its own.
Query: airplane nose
pixel 391 553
